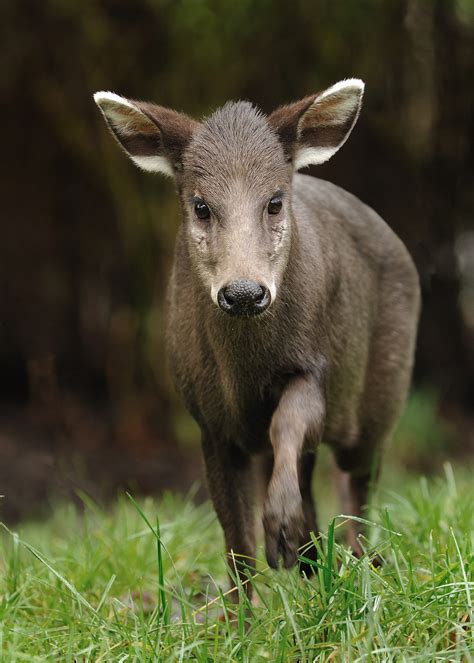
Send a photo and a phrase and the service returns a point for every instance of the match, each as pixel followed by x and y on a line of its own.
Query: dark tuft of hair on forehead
pixel 235 138
pixel 236 119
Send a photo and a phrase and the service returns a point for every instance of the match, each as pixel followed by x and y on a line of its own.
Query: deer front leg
pixel 296 424
pixel 231 485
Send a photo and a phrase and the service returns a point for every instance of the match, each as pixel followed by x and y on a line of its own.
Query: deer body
pixel 328 329
pixel 292 307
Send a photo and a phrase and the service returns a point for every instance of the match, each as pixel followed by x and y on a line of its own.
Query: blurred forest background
pixel 86 240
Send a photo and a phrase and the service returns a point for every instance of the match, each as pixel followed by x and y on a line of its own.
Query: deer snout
pixel 244 298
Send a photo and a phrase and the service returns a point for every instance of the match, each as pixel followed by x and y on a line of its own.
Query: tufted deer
pixel 292 306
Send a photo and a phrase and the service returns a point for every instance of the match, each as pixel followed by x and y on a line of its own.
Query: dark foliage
pixel 86 240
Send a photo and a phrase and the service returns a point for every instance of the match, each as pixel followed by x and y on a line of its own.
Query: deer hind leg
pixel 358 470
pixel 305 475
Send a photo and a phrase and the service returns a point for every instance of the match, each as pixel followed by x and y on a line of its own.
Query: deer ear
pixel 313 129
pixel 154 137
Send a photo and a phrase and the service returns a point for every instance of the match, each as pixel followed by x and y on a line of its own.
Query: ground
pixel 145 580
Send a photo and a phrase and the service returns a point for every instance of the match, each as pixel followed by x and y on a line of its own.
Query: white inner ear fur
pixel 154 165
pixel 311 156
pixel 350 92
pixel 117 109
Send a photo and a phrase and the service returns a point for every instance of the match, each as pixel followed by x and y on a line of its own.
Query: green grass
pixel 110 585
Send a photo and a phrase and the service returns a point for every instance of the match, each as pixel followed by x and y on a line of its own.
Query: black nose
pixel 244 298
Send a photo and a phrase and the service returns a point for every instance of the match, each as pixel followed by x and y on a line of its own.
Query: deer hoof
pixel 283 522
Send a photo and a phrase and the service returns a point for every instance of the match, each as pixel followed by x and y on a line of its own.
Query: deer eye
pixel 201 210
pixel 275 205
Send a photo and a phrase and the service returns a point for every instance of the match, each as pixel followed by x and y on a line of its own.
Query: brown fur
pixel 330 360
